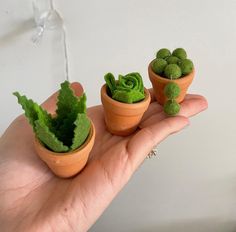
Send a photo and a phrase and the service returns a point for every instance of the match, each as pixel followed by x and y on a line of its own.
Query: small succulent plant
pixel 172 65
pixel 171 91
pixel 69 128
pixel 172 71
pixel 163 53
pixel 127 89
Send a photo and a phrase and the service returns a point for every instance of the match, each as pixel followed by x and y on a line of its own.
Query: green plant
pixel 68 129
pixel 172 60
pixel 159 65
pixel 127 89
pixel 180 53
pixel 177 65
pixel 172 71
pixel 171 107
pixel 186 66
pixel 171 91
pixel 163 53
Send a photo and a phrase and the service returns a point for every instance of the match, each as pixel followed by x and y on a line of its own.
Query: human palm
pixel 34 199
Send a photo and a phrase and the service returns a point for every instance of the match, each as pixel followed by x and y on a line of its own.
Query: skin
pixel 33 199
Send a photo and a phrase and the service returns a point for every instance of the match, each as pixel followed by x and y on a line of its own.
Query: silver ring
pixel 152 153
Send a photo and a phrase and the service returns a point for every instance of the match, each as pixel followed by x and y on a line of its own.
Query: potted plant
pixel 124 100
pixel 170 75
pixel 64 140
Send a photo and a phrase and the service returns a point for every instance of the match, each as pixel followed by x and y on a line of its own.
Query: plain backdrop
pixel 191 185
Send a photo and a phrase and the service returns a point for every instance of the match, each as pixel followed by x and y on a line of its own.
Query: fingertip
pixel 78 88
pixel 204 102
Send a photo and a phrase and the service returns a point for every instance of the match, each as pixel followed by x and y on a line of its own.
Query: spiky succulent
pixel 69 128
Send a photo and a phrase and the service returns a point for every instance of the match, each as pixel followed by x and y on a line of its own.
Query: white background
pixel 191 185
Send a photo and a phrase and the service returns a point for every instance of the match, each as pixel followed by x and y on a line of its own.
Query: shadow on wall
pixel 20 29
pixel 200 225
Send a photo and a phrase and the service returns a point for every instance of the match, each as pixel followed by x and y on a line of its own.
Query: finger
pixel 143 141
pixel 192 105
pixel 191 96
pixel 153 108
pixel 155 118
pixel 50 103
pixel 152 95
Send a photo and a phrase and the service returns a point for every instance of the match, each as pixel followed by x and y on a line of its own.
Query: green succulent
pixel 66 131
pixel 128 88
pixel 171 107
pixel 163 53
pixel 159 65
pixel 180 53
pixel 172 71
pixel 172 60
pixel 172 90
pixel 186 66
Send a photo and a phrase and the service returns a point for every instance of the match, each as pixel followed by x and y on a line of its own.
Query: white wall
pixel 191 185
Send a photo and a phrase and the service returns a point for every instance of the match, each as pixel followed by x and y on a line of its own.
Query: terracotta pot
pixel 122 118
pixel 159 83
pixel 70 163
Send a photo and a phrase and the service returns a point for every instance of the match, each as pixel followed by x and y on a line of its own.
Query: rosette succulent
pixel 176 66
pixel 68 129
pixel 127 89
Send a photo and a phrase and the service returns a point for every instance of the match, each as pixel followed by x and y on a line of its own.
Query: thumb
pixel 50 103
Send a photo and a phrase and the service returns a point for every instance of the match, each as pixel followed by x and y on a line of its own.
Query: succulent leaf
pixel 81 131
pixel 48 138
pixel 129 88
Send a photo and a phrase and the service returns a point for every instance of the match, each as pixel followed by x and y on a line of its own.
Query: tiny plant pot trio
pixel 63 141
pixel 171 74
pixel 124 102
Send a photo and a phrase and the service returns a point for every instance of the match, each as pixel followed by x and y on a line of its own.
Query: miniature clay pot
pixel 122 118
pixel 67 164
pixel 159 83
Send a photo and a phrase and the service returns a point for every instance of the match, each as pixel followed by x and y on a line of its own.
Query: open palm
pixel 33 199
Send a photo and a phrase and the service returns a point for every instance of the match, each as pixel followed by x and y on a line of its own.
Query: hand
pixel 33 199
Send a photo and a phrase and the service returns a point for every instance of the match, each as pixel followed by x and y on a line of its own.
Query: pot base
pixel 125 132
pixel 69 164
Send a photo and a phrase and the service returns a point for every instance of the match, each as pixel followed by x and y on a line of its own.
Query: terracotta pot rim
pixel 163 79
pixel 122 104
pixel 70 153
